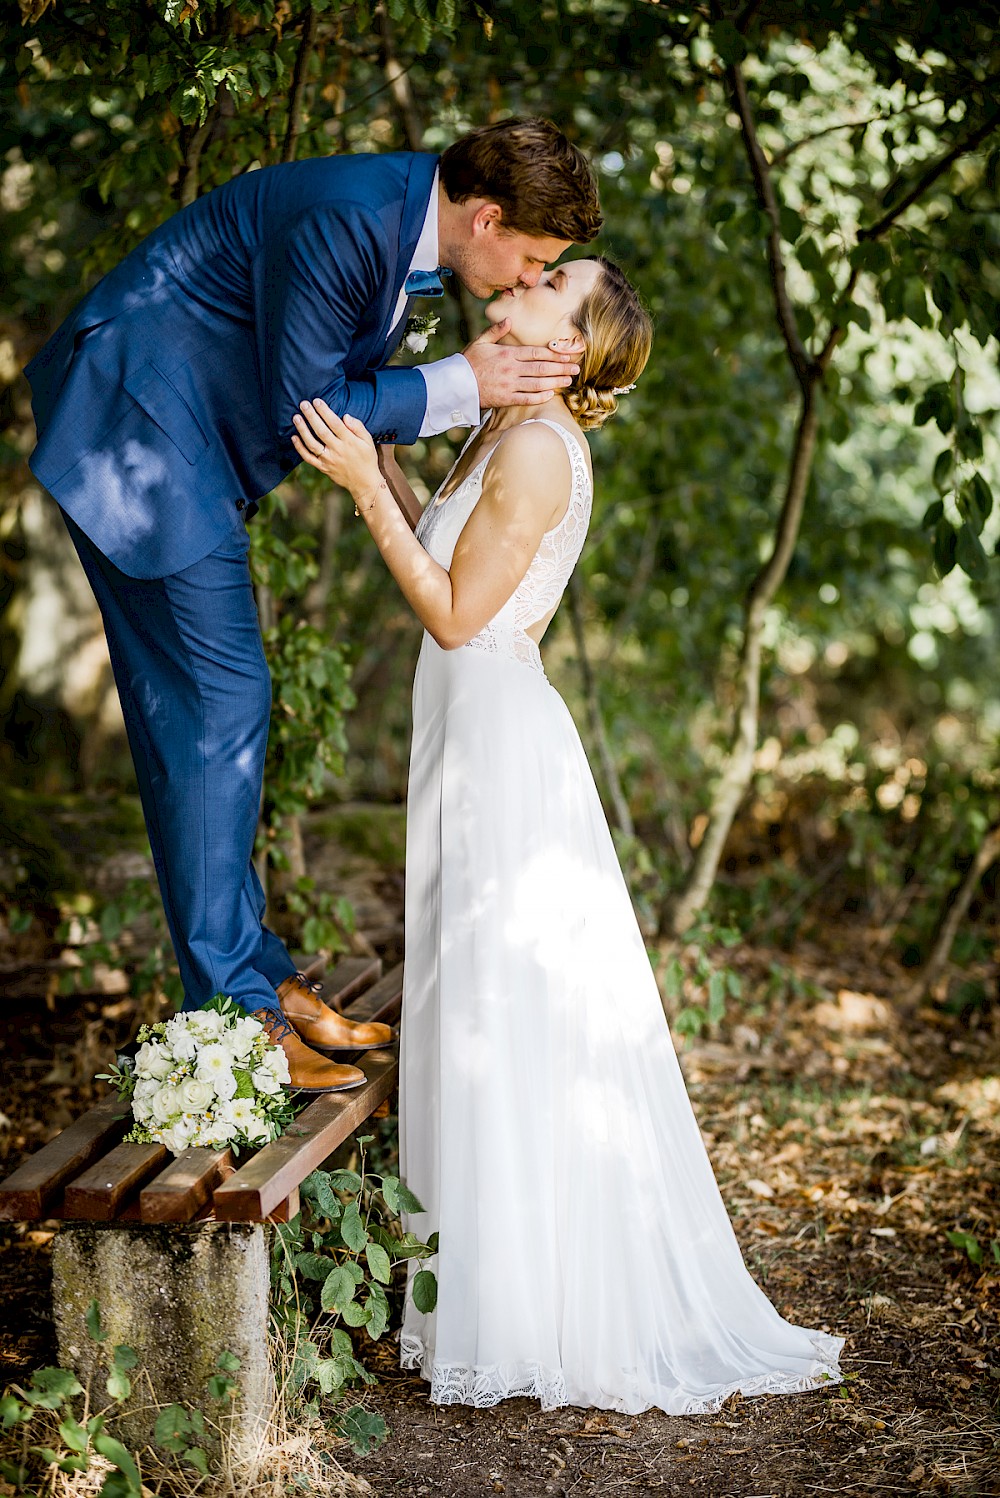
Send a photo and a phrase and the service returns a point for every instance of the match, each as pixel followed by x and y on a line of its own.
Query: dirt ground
pixel 847 1145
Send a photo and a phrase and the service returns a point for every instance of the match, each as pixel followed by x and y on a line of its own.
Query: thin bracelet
pixel 381 485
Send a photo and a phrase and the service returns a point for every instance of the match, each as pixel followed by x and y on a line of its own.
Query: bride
pixel 586 1256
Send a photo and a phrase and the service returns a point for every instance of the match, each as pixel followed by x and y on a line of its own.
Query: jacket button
pixel 241 504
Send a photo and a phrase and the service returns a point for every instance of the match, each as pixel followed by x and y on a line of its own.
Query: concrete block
pixel 180 1296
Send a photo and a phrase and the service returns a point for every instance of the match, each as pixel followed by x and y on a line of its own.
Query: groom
pixel 164 408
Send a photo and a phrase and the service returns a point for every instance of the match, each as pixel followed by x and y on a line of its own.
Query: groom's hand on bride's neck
pixel 514 375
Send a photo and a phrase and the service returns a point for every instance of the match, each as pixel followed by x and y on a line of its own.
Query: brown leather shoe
pixel 319 1026
pixel 308 1072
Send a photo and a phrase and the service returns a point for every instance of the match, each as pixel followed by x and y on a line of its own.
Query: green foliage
pixel 699 976
pixel 347 1241
pixel 113 116
pixel 107 928
pixel 179 1432
pixel 972 1247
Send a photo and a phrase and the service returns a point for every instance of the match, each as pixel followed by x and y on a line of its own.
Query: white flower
pixel 179 1136
pixel 244 1117
pixel 275 1061
pixel 153 1060
pixel 142 1110
pixel 416 342
pixel 166 1104
pixel 196 1094
pixel 215 1064
pixel 265 1080
pixel 243 1034
pixel 219 1131
pixel 208 1024
pixel 181 1038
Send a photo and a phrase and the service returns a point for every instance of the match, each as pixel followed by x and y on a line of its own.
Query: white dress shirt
pixel 452 390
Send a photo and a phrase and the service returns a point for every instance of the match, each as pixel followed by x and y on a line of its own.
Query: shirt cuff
pixel 452 395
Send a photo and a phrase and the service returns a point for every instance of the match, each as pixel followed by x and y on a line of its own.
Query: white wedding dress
pixel 586 1256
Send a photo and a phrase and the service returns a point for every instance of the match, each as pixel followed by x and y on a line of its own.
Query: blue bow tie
pixel 426 282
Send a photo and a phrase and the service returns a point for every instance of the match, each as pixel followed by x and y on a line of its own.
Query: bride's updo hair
pixel 618 332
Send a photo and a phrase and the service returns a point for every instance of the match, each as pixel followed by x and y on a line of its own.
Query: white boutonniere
pixel 418 330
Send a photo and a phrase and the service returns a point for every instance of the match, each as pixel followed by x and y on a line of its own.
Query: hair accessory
pixel 623 389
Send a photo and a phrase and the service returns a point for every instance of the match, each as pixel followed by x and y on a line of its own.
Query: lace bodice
pixel 543 584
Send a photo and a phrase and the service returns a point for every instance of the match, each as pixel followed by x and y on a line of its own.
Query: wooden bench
pixel 87 1174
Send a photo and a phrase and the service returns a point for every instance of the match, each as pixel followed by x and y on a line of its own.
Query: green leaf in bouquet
pixel 244 1082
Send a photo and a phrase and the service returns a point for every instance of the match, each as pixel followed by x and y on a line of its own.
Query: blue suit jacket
pixel 165 401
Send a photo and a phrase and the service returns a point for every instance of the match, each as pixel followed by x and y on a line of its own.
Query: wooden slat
pixel 286 1210
pixel 178 1193
pixel 349 978
pixel 264 1182
pixel 380 1002
pixel 97 1195
pixel 35 1184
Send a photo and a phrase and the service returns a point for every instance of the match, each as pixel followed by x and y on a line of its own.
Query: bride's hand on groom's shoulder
pixel 512 375
pixel 342 450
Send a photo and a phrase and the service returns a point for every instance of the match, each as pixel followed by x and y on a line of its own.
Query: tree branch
pixel 960 148
pixel 189 179
pixel 296 95
pixel 766 195
pixel 985 856
pixel 399 83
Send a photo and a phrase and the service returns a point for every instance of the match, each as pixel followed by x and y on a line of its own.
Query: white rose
pixel 142 1110
pixel 153 1060
pixel 196 1094
pixel 165 1104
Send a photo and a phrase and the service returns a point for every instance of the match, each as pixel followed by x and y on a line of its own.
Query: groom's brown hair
pixel 544 184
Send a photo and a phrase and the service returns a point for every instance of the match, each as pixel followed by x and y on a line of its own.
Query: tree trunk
pixel 738 771
pixel 986 854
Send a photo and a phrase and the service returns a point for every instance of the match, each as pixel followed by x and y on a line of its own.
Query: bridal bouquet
pixel 205 1077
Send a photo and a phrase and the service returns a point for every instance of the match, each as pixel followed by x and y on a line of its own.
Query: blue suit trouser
pixel 195 690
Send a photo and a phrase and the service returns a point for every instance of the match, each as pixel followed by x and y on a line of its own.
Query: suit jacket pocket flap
pixel 168 408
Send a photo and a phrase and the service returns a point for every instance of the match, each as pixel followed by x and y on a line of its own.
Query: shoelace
pixel 313 987
pixel 276 1025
